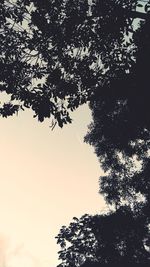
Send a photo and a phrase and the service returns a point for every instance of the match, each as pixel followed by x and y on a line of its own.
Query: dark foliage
pixel 117 238
pixel 120 134
pixel 55 54
pixel 120 131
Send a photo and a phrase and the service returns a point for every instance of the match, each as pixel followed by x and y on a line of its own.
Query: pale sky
pixel 46 178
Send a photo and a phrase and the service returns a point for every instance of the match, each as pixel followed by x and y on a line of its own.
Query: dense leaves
pixel 120 131
pixel 120 134
pixel 115 238
pixel 55 54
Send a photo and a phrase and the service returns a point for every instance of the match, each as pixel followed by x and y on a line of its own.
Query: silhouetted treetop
pixel 116 238
pixel 120 131
pixel 55 54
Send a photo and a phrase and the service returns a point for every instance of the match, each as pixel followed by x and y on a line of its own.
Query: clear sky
pixel 46 178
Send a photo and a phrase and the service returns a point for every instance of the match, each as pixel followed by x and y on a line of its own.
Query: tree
pixel 120 135
pixel 116 238
pixel 55 54
pixel 59 54
pixel 120 131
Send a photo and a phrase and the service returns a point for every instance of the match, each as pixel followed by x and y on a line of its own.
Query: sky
pixel 46 178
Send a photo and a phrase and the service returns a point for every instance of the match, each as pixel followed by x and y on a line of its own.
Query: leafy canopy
pixel 56 54
pixel 120 131
pixel 116 238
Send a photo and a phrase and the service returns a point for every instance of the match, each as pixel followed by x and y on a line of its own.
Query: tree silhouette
pixel 120 131
pixel 116 238
pixel 55 54
pixel 120 134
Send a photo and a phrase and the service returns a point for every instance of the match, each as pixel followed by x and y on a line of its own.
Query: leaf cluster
pixel 55 54
pixel 115 238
